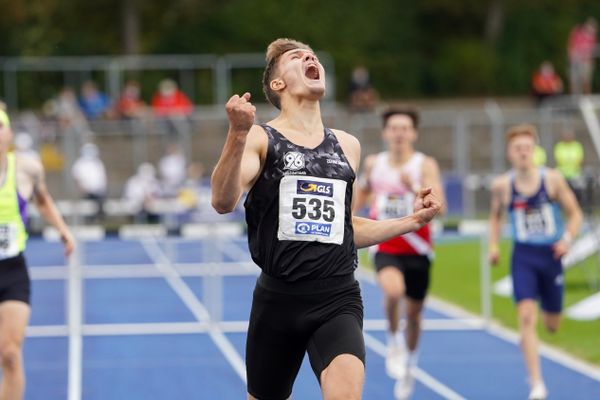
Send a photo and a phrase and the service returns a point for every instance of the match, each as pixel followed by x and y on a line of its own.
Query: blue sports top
pixel 535 219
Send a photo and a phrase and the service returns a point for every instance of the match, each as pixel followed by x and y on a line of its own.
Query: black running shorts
pixel 14 280
pixel 415 269
pixel 288 319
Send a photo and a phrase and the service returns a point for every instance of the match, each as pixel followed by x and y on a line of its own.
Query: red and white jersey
pixel 394 199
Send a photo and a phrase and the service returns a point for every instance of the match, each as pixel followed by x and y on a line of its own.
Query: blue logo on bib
pixel 313 228
pixel 313 187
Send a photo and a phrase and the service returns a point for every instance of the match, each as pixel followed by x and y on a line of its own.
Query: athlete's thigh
pixel 389 275
pixel 417 276
pixel 524 278
pixel 551 286
pixel 274 352
pixel 14 316
pixel 340 335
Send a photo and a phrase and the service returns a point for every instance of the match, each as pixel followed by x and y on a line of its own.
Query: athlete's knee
pixel 343 378
pixel 10 356
pixel 414 314
pixel 527 320
pixel 394 295
pixel 346 391
pixel 552 324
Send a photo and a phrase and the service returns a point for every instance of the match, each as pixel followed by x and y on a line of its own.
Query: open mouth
pixel 312 72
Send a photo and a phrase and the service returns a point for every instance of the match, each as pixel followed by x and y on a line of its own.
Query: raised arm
pixel 45 204
pixel 240 161
pixel 368 232
pixel 496 220
pixel 432 179
pixel 362 188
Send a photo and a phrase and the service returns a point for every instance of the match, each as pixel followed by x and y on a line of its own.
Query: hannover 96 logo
pixel 293 161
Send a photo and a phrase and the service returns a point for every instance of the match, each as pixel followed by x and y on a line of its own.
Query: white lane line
pixel 163 328
pixel 419 374
pixel 195 306
pixel 557 355
pixel 146 271
pixel 453 311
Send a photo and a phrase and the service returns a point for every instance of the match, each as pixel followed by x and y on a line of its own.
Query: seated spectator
pixel 545 83
pixel 130 104
pixel 92 102
pixel 64 108
pixel 141 191
pixel 172 170
pixel 169 101
pixel 90 175
pixel 363 97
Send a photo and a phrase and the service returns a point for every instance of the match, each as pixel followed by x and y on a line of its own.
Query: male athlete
pixel 534 198
pixel 21 180
pixel 389 183
pixel 301 231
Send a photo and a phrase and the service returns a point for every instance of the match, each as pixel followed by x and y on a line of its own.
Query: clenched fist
pixel 241 113
pixel 426 206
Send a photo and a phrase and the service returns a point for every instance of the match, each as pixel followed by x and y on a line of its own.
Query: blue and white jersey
pixel 535 219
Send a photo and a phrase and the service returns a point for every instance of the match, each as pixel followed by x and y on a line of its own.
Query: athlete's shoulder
pixel 257 137
pixel 371 159
pixel 553 174
pixel 429 162
pixel 29 165
pixel 347 141
pixel 501 182
pixel 345 137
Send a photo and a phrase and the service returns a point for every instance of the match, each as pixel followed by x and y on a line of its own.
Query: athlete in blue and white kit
pixel 534 198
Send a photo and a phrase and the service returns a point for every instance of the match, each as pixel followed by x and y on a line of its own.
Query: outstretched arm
pixel 45 204
pixel 568 203
pixel 368 232
pixel 240 162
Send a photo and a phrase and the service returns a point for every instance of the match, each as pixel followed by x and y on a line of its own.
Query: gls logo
pixel 293 161
pixel 313 187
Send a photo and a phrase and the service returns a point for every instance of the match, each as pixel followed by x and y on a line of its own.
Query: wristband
pixel 567 238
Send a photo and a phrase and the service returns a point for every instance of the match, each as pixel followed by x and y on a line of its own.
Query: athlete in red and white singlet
pixel 389 186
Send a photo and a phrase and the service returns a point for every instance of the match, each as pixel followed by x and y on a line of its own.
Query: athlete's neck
pixel 3 166
pixel 401 156
pixel 303 117
pixel 526 175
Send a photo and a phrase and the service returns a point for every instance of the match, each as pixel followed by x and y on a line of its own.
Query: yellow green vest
pixel 539 156
pixel 13 235
pixel 569 156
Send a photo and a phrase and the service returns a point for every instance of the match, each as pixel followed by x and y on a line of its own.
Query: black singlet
pixel 299 210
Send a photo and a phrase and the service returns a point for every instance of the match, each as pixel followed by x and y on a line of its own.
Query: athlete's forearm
pixel 226 178
pixel 573 225
pixel 494 231
pixel 368 232
pixel 51 215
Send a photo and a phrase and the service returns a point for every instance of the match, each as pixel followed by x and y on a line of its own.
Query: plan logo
pixel 313 228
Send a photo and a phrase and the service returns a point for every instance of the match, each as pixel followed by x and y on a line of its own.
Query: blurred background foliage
pixel 430 48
